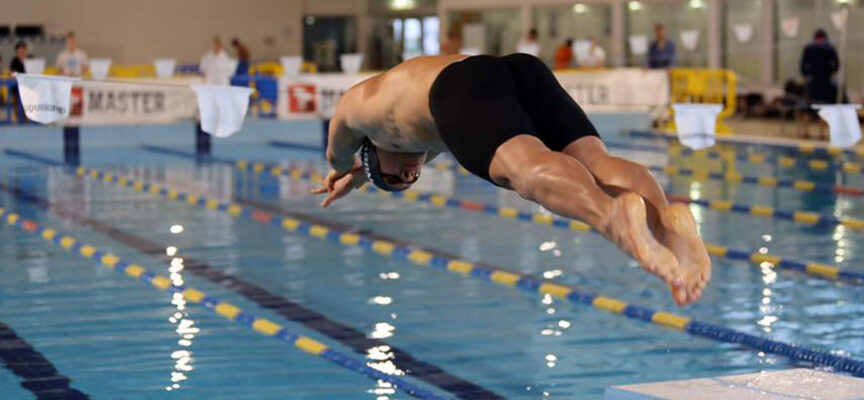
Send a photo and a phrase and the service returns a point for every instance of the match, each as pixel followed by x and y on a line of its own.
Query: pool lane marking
pixel 818 270
pixel 37 373
pixel 225 309
pixel 680 155
pixel 426 257
pixel 764 211
pixel 803 149
pixel 804 217
pixel 686 154
pixel 766 181
pixel 346 335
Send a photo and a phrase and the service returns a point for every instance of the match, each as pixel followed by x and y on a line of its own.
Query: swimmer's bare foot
pixel 627 227
pixel 678 233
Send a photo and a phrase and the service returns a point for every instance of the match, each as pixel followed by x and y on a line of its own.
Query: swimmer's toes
pixel 663 264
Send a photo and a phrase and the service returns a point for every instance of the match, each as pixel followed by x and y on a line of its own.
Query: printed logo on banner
pixel 329 100
pixel 301 98
pixel 134 102
pixel 76 108
pixel 590 93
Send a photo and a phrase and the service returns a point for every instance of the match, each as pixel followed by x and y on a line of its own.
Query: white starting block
pixel 99 67
pixel 291 65
pixel 164 67
pixel 804 384
pixel 843 125
pixel 696 124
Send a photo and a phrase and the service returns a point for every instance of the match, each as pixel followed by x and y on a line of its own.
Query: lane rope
pixel 766 181
pixel 345 335
pixel 802 149
pixel 816 165
pixel 814 269
pixel 500 276
pixel 684 153
pixel 765 211
pixel 225 309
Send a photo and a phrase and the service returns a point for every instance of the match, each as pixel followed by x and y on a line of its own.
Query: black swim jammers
pixel 482 101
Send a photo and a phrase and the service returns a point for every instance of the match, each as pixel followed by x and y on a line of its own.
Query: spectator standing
pixel 593 57
pixel 215 64
pixel 17 64
pixel 564 55
pixel 72 61
pixel 819 62
pixel 243 57
pixel 530 45
pixel 661 54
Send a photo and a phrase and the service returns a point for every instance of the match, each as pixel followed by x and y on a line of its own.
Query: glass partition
pixel 495 31
pixel 808 16
pixel 679 18
pixel 742 40
pixel 578 22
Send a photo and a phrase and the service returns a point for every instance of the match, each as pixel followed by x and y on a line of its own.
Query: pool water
pixel 114 337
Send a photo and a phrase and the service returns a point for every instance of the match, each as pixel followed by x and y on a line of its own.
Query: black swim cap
pixel 369 158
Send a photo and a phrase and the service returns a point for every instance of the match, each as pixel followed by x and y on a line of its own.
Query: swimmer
pixel 508 121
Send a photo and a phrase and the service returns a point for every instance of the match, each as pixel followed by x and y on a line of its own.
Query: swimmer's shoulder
pixel 409 69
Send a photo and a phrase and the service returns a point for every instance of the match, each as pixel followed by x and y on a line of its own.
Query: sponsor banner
pixel 627 87
pixel 316 96
pixel 96 103
pixel 313 96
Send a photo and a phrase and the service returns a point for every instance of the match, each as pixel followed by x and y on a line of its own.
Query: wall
pixel 136 31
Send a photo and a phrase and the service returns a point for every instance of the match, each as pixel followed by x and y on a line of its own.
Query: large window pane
pixel 851 56
pixel 801 15
pixel 742 40
pixel 557 24
pixel 494 31
pixel 678 17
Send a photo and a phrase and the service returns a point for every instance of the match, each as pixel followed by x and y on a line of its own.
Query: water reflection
pixel 185 327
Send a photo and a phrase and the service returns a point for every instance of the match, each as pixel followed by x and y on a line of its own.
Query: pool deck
pixel 789 384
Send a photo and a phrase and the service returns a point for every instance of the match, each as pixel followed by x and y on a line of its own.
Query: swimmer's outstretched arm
pixel 342 142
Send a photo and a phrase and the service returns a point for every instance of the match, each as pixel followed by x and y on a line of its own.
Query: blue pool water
pixel 114 337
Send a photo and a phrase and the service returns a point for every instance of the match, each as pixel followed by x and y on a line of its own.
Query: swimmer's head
pixel 389 170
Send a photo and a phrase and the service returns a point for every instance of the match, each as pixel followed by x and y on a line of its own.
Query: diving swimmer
pixel 509 121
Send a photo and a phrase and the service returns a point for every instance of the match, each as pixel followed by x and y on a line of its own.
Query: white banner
pixel 625 87
pixel 316 96
pixel 104 103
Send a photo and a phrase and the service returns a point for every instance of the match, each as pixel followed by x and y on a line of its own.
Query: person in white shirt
pixel 216 65
pixel 592 55
pixel 530 45
pixel 72 61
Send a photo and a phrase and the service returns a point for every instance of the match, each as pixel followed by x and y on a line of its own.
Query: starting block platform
pixel 793 384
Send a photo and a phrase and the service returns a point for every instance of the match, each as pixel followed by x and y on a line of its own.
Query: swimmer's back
pixel 392 108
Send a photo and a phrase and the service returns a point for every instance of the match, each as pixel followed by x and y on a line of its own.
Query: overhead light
pixel 580 8
pixel 697 3
pixel 634 6
pixel 403 4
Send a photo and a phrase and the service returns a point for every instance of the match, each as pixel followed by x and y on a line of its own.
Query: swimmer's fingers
pixel 341 187
pixel 318 190
pixel 332 177
pixel 322 188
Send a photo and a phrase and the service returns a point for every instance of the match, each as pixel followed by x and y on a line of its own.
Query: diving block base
pixel 803 384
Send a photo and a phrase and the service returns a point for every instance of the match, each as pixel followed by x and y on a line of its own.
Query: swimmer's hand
pixel 337 184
